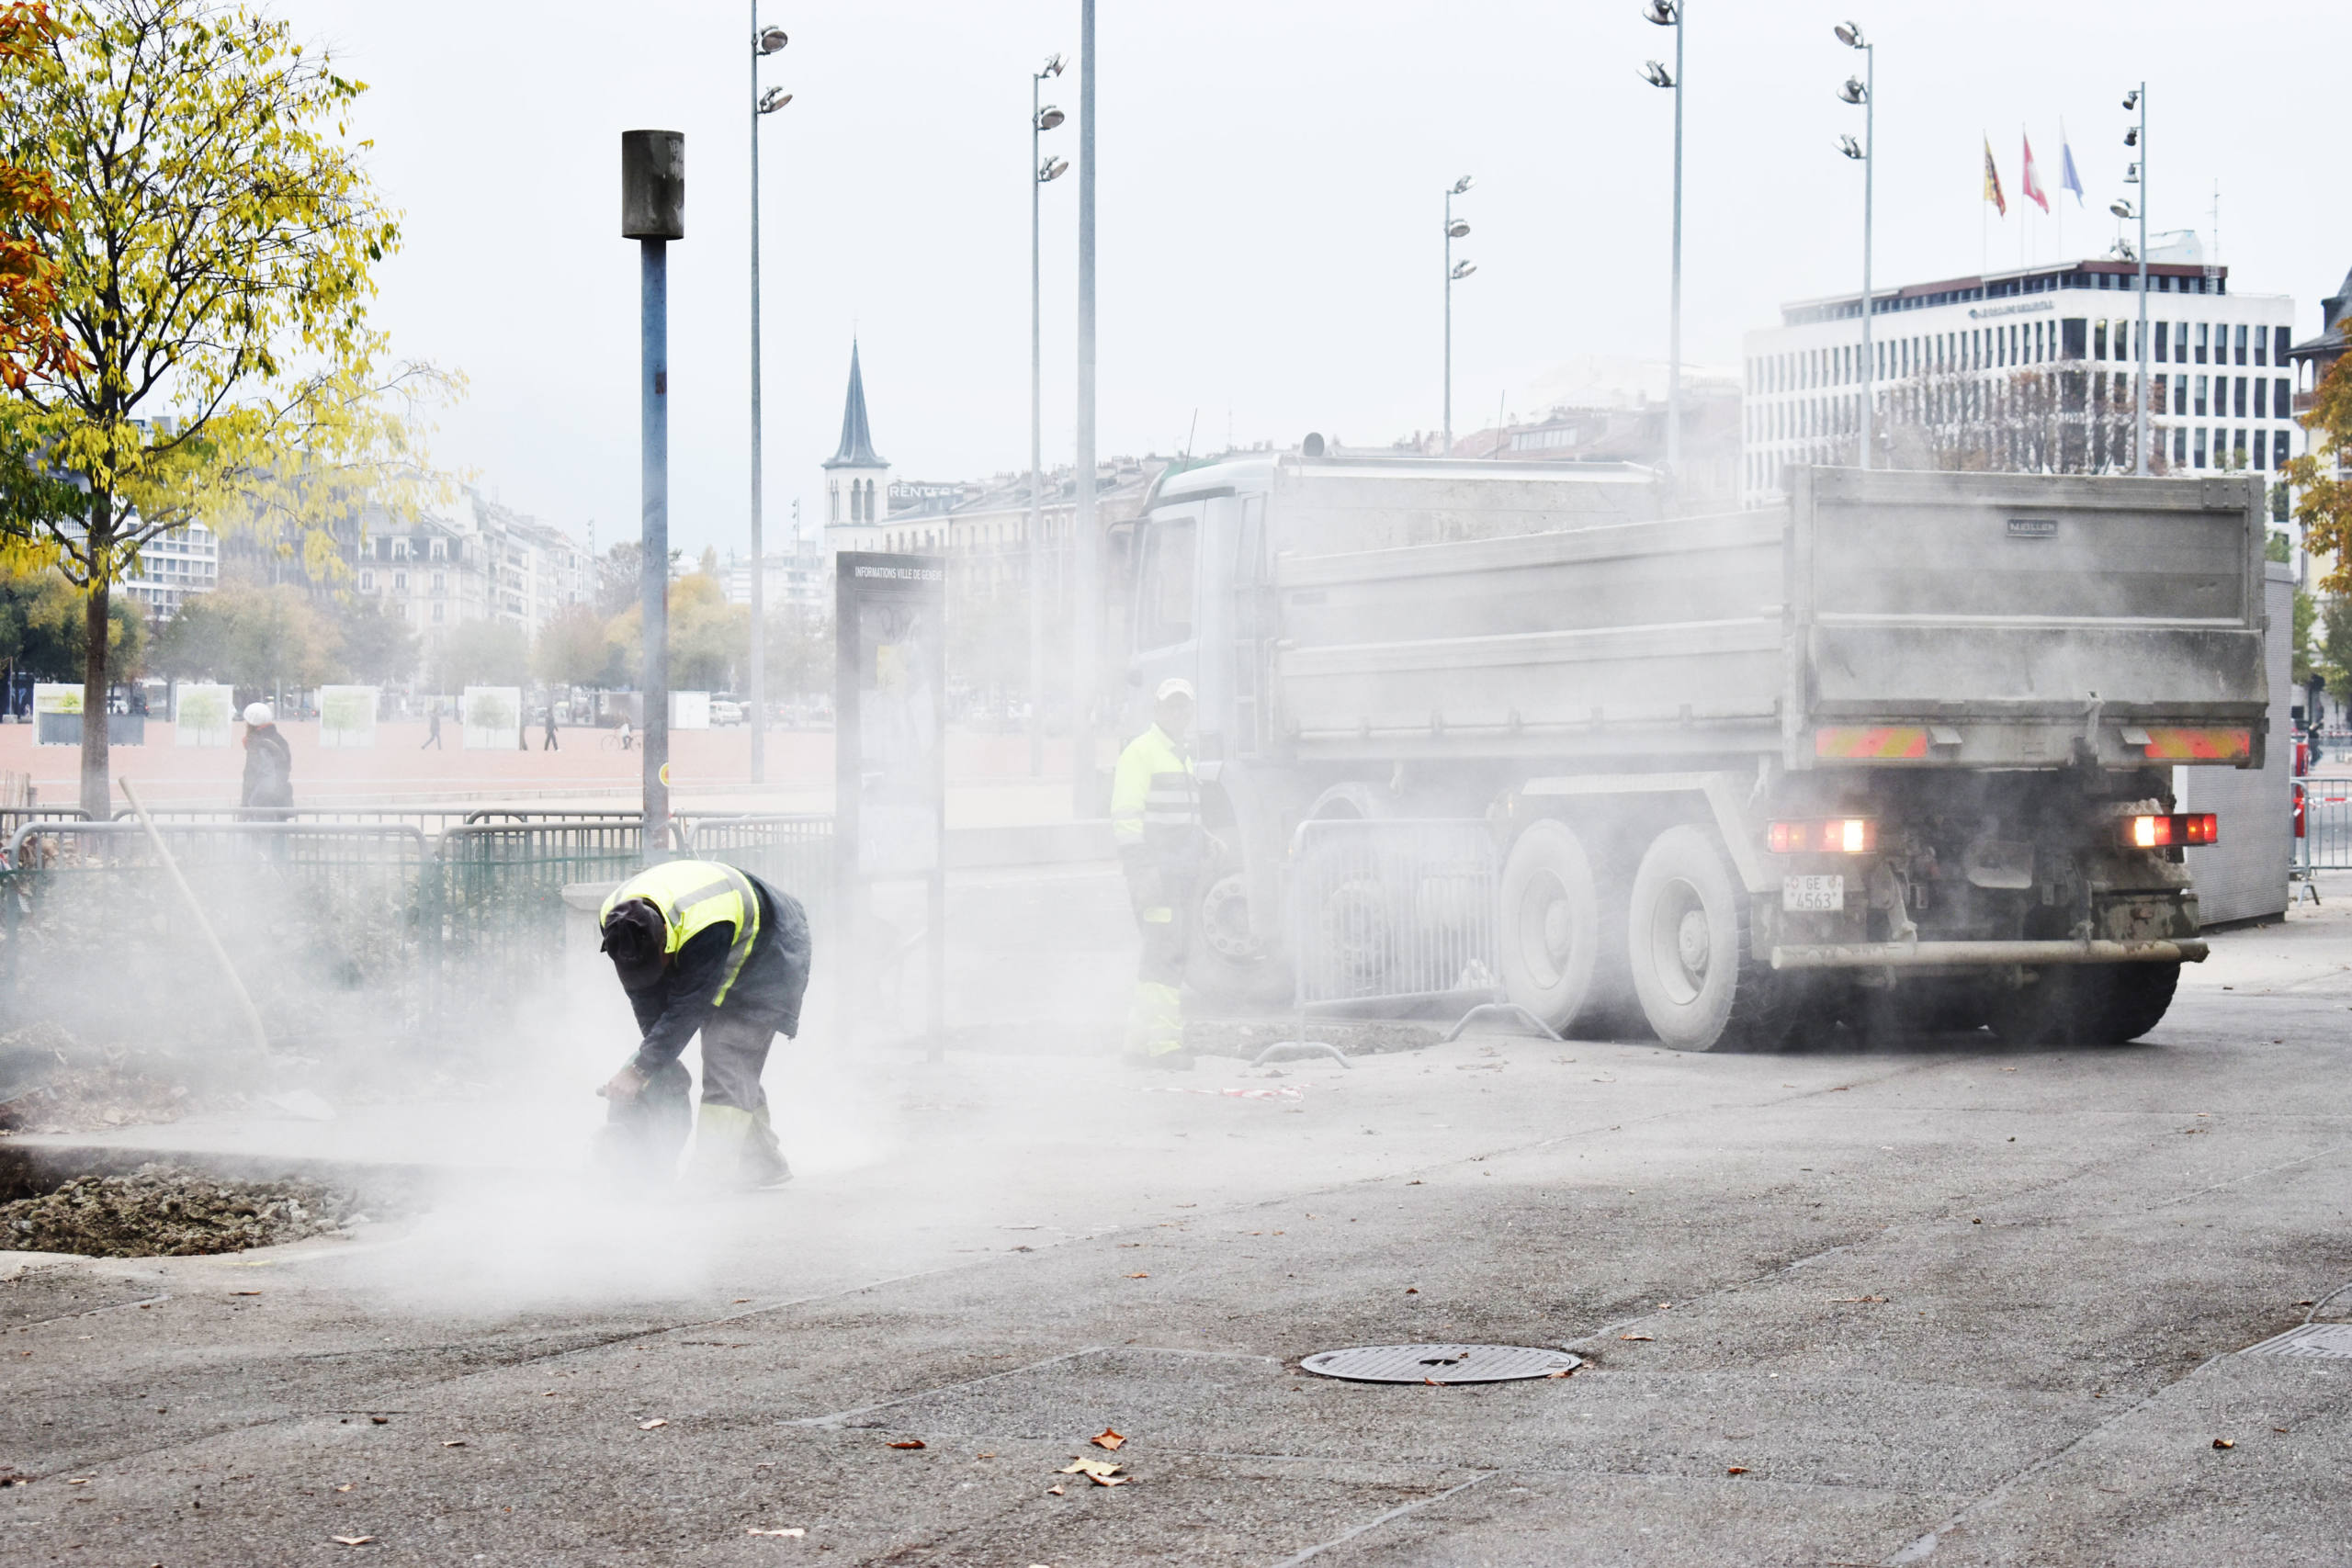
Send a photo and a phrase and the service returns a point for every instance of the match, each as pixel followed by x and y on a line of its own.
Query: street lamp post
pixel 1454 272
pixel 653 214
pixel 1042 118
pixel 1668 13
pixel 765 42
pixel 1086 546
pixel 2137 137
pixel 1864 93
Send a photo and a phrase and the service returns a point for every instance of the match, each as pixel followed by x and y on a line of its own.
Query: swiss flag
pixel 2029 182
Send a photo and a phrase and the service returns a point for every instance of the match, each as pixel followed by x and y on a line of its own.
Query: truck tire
pixel 1687 940
pixel 1552 940
pixel 2094 1004
pixel 1225 962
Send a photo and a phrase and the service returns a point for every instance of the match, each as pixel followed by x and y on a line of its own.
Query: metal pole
pixel 1447 450
pixel 1086 546
pixel 653 582
pixel 1674 329
pixel 759 692
pixel 1036 451
pixel 1869 174
pixel 2140 402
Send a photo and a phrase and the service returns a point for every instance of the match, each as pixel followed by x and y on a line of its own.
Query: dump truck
pixel 1901 750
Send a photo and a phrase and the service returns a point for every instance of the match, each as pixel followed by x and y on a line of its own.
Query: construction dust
pixel 164 1211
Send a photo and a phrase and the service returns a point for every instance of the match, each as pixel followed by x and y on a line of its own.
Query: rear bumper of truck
pixel 1983 955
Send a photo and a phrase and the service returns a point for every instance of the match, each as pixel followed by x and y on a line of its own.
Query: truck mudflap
pixel 1983 955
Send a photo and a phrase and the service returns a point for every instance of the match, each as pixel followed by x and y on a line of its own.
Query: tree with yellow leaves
pixel 213 272
pixel 2323 494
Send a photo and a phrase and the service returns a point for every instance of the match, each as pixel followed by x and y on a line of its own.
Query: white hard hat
pixel 1174 686
pixel 258 713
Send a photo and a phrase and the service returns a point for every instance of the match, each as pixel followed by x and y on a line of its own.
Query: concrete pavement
pixel 1947 1302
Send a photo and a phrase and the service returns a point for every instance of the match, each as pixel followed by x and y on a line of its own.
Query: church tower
pixel 857 479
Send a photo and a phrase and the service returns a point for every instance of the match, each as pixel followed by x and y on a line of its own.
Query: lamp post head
pixel 771 100
pixel 654 184
pixel 2122 209
pixel 1848 146
pixel 2132 99
pixel 1665 13
pixel 1459 185
pixel 1456 229
pixel 2131 137
pixel 1853 91
pixel 2131 174
pixel 1463 269
pixel 1850 35
pixel 1657 75
pixel 769 40
pixel 2123 250
pixel 1053 66
pixel 1049 116
pixel 1052 169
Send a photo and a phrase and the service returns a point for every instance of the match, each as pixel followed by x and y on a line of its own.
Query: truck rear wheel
pixel 1688 939
pixel 2092 1004
pixel 1552 936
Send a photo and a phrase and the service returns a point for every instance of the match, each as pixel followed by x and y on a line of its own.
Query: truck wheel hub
pixel 1692 941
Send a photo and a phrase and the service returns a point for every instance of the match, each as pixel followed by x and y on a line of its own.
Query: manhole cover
pixel 1440 1363
pixel 2329 1340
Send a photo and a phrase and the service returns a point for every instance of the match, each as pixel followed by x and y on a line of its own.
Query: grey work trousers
pixel 733 1142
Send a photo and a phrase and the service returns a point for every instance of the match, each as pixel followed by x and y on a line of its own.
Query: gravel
pixel 164 1210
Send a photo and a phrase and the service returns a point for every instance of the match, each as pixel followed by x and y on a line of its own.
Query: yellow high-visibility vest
pixel 1155 797
pixel 692 896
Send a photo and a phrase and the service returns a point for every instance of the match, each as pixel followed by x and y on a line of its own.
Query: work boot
pixel 1176 1061
pixel 764 1169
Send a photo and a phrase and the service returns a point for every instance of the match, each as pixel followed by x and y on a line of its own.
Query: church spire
pixel 857 440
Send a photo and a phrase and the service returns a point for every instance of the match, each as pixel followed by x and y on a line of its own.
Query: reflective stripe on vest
pixel 1171 808
pixel 692 896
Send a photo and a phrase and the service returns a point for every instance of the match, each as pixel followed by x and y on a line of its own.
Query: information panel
pixel 493 716
pixel 204 715
pixel 347 716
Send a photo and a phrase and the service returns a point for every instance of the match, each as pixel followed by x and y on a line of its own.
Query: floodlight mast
pixel 1670 14
pixel 1453 273
pixel 1043 170
pixel 2137 99
pixel 1864 94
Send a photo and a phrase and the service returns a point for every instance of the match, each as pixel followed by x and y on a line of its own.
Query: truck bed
pixel 1900 619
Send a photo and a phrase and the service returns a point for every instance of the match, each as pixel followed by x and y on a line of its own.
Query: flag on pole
pixel 1993 182
pixel 2068 178
pixel 2027 184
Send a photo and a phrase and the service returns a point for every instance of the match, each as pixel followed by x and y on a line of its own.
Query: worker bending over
pixel 701 946
pixel 1156 820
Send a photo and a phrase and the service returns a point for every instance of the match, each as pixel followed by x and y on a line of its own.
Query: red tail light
pixel 2299 810
pixel 2171 832
pixel 1837 836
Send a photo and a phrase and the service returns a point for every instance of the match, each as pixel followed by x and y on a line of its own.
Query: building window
pixel 2261 386
pixel 2180 448
pixel 368 549
pixel 2200 442
pixel 440 583
pixel 2200 398
pixel 2262 346
pixel 2202 329
pixel 436 611
pixel 367 583
pixel 2281 406
pixel 400 583
pixel 400 549
pixel 439 549
pixel 2238 447
pixel 2261 442
pixel 2098 339
pixel 2239 398
pixel 2278 353
pixel 2241 337
pixel 2180 394
pixel 2163 340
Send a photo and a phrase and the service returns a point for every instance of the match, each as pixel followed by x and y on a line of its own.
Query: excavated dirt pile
pixel 164 1210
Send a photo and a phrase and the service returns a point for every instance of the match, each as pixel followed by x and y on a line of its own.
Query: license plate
pixel 1812 895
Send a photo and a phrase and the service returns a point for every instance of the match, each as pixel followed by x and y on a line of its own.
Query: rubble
pixel 164 1210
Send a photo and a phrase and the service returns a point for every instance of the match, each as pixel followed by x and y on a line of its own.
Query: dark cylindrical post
pixel 653 207
pixel 1085 545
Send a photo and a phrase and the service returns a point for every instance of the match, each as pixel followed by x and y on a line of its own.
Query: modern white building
pixel 173 565
pixel 2033 369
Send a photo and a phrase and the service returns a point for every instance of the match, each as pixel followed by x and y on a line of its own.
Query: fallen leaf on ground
pixel 649 1425
pixel 244 1292
pixel 1851 1301
pixel 1053 1491
pixel 1107 1438
pixel 454 1443
pixel 352 1539
pixel 1090 1467
pixel 794 1530
pixel 910 1443
pixel 79 1480
pixel 379 1420
pixel 984 1455
pixel 1140 1276
pixel 2223 1443
pixel 1734 1470
pixel 1636 1337
pixel 1110 1480
pixel 1412 1290
pixel 345 1487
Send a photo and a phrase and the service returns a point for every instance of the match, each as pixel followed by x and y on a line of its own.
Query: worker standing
pixel 701 946
pixel 1156 821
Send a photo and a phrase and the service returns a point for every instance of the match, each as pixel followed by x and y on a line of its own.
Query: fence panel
pixel 2326 843
pixel 1393 911
pixel 793 854
pixel 322 921
pixel 496 900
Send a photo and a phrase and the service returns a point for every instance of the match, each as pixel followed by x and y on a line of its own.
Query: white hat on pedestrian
pixel 1174 686
pixel 258 713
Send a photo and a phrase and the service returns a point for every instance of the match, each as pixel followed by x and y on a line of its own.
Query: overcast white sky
pixel 1271 184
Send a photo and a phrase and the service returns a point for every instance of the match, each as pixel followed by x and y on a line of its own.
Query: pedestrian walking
pixel 1156 821
pixel 433 730
pixel 549 744
pixel 701 947
pixel 268 792
pixel 628 736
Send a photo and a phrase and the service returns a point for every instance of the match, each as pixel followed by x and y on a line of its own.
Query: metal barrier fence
pixel 2326 843
pixel 319 916
pixel 1393 911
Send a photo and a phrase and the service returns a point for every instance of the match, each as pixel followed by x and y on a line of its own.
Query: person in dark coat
pixel 702 947
pixel 433 730
pixel 269 767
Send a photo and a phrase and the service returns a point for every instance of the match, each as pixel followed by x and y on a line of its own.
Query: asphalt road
pixel 1945 1303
